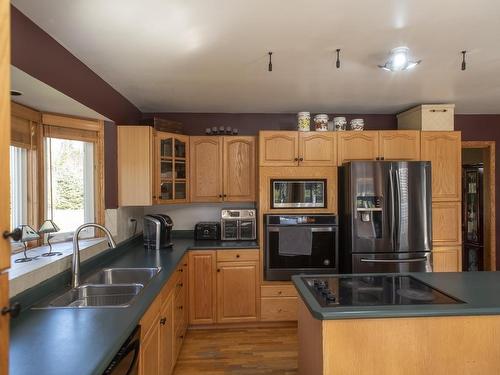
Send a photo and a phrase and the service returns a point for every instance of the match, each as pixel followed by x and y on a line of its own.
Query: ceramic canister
pixel 321 123
pixel 339 123
pixel 357 124
pixel 303 121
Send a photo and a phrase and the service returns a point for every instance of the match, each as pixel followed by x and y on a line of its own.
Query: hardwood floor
pixel 239 351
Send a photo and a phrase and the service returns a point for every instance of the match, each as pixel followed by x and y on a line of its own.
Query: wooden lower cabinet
pixel 447 259
pixel 149 360
pixel 279 309
pixel 237 289
pixel 162 329
pixel 166 337
pixel 202 287
pixel 223 286
pixel 446 223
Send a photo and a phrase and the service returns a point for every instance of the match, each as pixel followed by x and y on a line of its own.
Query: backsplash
pixel 187 215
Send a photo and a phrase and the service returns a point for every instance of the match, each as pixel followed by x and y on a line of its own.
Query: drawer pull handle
pixel 237 255
pixel 180 307
pixel 279 310
pixel 185 265
pixel 181 336
pixel 180 285
pixel 280 292
pixel 218 269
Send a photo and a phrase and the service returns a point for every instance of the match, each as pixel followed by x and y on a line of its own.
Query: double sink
pixel 110 287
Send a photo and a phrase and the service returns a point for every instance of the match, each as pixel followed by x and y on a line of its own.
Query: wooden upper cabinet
pixel 171 174
pixel 399 144
pixel 135 165
pixel 239 169
pixel 357 145
pixel 278 148
pixel 317 149
pixel 206 169
pixel 443 150
pixel 237 289
pixel 202 287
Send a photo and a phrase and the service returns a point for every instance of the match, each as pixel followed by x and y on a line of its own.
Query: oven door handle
pixel 313 229
pixel 409 260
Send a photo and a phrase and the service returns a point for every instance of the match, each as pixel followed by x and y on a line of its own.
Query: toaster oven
pixel 238 224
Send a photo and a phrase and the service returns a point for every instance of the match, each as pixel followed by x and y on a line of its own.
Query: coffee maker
pixel 157 231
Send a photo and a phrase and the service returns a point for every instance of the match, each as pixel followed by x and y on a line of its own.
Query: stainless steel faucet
pixel 75 276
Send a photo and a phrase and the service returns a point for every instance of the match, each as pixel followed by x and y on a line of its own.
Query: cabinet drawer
pixel 279 309
pixel 278 291
pixel 237 255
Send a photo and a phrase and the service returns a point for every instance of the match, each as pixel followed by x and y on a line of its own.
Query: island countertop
pixel 479 290
pixel 84 341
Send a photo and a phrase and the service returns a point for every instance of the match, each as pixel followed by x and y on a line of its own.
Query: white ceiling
pixel 43 97
pixel 211 56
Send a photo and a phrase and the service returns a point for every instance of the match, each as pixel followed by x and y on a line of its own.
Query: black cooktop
pixel 375 290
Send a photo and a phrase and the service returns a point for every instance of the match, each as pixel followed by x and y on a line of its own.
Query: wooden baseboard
pixel 244 325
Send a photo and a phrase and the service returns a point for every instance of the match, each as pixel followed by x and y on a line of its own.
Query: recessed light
pixel 15 93
pixel 399 60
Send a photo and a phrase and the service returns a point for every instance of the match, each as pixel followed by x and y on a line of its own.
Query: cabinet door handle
pixel 237 255
pixel 16 234
pixel 163 321
pixel 438 110
pixel 225 195
pixel 180 307
pixel 296 159
pixel 13 310
pixel 218 269
pixel 180 285
pixel 220 195
pixel 301 159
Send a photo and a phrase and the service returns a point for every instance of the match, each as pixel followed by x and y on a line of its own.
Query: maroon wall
pixel 38 54
pixel 110 166
pixel 251 123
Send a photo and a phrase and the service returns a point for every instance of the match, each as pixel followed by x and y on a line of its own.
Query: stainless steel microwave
pixel 298 193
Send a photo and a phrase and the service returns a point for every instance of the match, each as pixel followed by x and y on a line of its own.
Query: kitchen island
pixel 458 335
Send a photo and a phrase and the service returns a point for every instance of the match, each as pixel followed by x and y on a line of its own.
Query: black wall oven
pixel 300 244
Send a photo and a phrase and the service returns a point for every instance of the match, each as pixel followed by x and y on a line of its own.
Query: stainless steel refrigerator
pixel 386 217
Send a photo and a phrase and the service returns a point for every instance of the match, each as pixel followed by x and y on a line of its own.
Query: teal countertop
pixel 84 341
pixel 479 290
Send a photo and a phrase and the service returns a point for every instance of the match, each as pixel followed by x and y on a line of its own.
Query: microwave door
pixel 372 199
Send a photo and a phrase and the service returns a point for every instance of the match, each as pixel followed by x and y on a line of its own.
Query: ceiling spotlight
pixel 15 93
pixel 399 60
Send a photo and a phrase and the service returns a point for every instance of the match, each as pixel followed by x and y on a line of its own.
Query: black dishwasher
pixel 126 361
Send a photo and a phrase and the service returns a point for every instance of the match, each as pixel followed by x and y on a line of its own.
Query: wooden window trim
pixel 79 129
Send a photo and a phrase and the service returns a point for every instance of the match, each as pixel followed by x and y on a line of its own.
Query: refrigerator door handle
pixel 409 260
pixel 393 202
pixel 397 221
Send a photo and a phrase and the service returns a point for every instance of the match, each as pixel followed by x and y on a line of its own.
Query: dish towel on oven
pixel 295 241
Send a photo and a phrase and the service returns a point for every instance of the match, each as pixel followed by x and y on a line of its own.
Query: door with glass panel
pixel 171 184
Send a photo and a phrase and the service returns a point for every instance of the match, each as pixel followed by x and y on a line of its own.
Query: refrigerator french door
pixel 386 216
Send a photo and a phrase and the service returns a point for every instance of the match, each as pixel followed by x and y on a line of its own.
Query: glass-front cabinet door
pixel 171 160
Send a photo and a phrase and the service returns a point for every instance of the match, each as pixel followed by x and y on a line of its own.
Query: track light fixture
pixel 337 63
pixel 464 64
pixel 270 67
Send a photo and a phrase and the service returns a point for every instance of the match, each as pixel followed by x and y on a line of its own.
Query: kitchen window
pixel 73 174
pixel 69 172
pixel 18 186
pixel 56 172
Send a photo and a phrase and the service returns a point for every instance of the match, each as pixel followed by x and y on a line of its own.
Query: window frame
pixel 73 128
pixel 79 129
